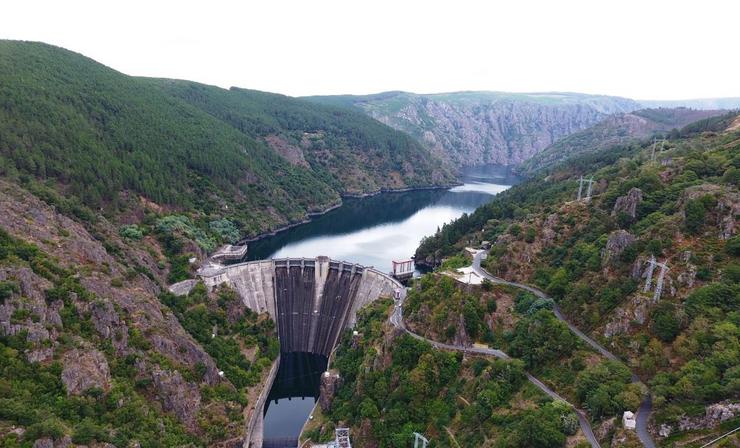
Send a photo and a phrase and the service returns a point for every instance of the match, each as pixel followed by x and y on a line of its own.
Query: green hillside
pixel 592 257
pixel 616 129
pixel 105 139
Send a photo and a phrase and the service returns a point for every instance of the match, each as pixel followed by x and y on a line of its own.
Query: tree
pixel 665 323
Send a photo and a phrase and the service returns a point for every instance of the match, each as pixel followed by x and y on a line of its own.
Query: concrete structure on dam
pixel 310 299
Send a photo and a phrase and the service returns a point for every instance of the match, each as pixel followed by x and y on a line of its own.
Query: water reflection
pixel 373 231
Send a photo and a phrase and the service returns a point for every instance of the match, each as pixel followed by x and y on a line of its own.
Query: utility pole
pixel 420 441
pixel 661 276
pixel 649 280
pixel 590 186
pixel 590 183
pixel 662 147
pixel 659 286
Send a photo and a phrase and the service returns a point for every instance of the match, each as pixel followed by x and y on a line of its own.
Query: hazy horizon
pixel 659 51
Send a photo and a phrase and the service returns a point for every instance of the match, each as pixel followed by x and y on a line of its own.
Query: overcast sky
pixel 643 49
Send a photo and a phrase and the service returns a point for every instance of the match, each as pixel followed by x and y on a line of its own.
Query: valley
pixel 576 260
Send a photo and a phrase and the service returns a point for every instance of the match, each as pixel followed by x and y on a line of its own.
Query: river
pixel 370 231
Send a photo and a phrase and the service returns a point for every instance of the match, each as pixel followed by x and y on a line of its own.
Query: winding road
pixel 396 320
pixel 646 407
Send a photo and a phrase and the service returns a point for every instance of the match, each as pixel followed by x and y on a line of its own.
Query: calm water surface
pixel 372 232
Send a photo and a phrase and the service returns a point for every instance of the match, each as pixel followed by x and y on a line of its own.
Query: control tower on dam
pixel 310 299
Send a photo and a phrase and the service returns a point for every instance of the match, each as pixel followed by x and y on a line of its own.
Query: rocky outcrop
pixel 605 428
pixel 85 369
pixel 290 152
pixel 616 243
pixel 109 324
pixel 634 311
pixel 114 312
pixel 330 383
pixel 64 442
pixel 177 395
pixel 725 211
pixel 628 204
pixel 713 416
pixel 473 128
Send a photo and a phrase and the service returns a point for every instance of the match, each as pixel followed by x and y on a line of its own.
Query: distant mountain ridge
pixel 697 103
pixel 474 128
pixel 615 129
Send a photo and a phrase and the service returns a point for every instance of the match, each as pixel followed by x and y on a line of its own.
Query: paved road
pixel 396 320
pixel 646 407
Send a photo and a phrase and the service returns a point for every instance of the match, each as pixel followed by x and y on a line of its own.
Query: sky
pixel 646 49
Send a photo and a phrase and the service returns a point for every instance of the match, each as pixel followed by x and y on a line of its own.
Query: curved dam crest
pixel 311 300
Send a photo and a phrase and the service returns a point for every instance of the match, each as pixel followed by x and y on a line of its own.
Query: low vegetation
pixel 395 386
pixel 592 258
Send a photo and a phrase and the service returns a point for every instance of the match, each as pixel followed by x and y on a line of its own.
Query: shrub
pixel 7 289
pixel 720 295
pixel 530 235
pixel 131 232
pixel 665 323
pixel 52 428
pixel 732 246
pixel 696 212
pixel 225 229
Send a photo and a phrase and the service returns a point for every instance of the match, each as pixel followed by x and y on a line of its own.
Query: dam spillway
pixel 311 300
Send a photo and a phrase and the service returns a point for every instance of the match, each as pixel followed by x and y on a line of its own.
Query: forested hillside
pixel 593 257
pixel 107 140
pixel 616 129
pixel 394 385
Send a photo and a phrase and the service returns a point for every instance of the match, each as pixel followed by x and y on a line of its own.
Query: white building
pixel 628 420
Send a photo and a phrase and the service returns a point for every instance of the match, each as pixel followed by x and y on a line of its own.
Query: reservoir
pixel 373 231
pixel 369 231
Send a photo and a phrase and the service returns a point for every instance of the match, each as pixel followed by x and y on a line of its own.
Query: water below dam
pixel 369 231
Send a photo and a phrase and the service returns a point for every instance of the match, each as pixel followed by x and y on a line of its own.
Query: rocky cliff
pixel 474 128
pixel 616 129
pixel 82 326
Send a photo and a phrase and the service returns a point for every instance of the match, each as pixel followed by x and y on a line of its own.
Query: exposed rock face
pixel 113 311
pixel 461 336
pixel 64 442
pixel 84 370
pixel 714 415
pixel 291 153
pixel 605 428
pixel 330 383
pixel 635 310
pixel 109 324
pixel 628 204
pixel 726 210
pixel 617 242
pixel 473 128
pixel 177 395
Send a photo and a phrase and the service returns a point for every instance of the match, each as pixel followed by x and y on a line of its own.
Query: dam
pixel 311 300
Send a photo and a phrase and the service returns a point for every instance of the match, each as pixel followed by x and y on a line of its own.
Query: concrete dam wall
pixel 310 300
